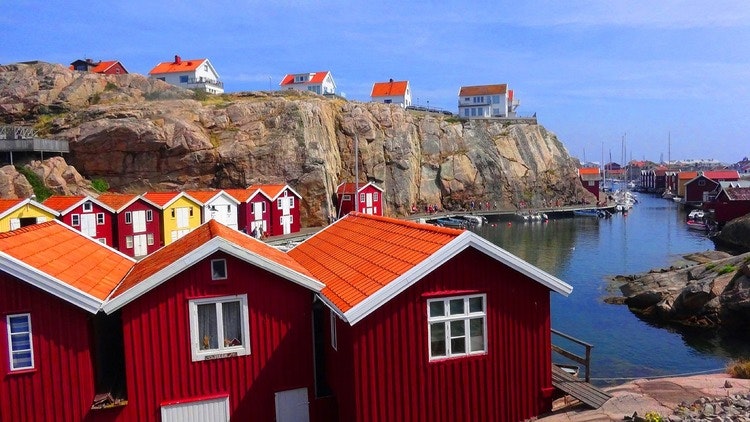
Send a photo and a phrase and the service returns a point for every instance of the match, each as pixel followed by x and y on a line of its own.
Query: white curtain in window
pixel 207 335
pixel 230 312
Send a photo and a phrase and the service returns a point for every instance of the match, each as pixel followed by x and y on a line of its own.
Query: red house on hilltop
pixel 110 67
pixel 367 198
pixel 92 217
pixel 137 223
pixel 429 323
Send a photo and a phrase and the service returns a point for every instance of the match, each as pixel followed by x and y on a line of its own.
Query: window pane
pixel 458 345
pixel 22 359
pixel 207 335
pixel 458 328
pixel 456 306
pixel 476 330
pixel 19 324
pixel 476 304
pixel 20 342
pixel 230 316
pixel 437 339
pixel 437 308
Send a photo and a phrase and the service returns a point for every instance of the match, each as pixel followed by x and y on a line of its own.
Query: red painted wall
pixel 348 206
pixel 593 188
pixel 694 191
pixel 61 387
pixel 382 371
pixel 726 210
pixel 275 227
pixel 104 231
pixel 157 344
pixel 122 229
pixel 247 216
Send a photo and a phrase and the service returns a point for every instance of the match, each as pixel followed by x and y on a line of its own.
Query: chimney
pixel 177 59
pixel 390 80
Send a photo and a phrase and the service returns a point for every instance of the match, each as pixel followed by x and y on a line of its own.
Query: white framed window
pixel 219 327
pixel 149 215
pixel 457 326
pixel 361 197
pixel 280 203
pixel 218 269
pixel 75 220
pixel 128 217
pixel 149 239
pixel 20 345
pixel 375 196
pixel 88 206
pixel 129 242
pixel 291 202
pixel 100 219
pixel 334 332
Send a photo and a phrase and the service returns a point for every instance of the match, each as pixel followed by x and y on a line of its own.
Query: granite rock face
pixel 735 234
pixel 142 134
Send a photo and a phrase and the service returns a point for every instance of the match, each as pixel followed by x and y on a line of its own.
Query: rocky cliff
pixel 735 235
pixel 142 134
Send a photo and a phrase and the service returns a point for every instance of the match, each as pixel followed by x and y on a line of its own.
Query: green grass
pixel 41 191
pixel 100 185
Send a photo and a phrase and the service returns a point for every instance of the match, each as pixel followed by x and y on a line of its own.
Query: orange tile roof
pixel 350 187
pixel 116 201
pixel 722 174
pixel 202 195
pixel 588 170
pixel 387 89
pixel 271 191
pixel 687 175
pixel 160 198
pixel 318 77
pixel 6 204
pixel 467 91
pixel 104 66
pixel 61 203
pixel 177 250
pixel 67 255
pixel 172 67
pixel 360 254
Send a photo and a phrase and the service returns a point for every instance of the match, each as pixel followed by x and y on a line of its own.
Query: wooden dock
pixel 578 388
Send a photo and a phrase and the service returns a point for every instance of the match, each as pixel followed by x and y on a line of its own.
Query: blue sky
pixel 594 72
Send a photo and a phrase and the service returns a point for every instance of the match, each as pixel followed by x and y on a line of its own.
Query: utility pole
pixel 356 172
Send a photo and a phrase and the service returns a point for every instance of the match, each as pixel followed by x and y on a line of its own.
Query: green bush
pixel 100 185
pixel 41 191
pixel 727 269
pixel 111 86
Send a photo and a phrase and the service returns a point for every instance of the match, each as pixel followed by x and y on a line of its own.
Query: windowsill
pixel 117 403
pixel 22 371
pixel 453 359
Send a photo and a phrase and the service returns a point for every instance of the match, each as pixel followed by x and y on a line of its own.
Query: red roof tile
pixel 6 204
pixel 468 91
pixel 174 67
pixel 61 203
pixel 66 255
pixel 317 77
pixel 161 198
pixel 388 89
pixel 360 254
pixel 738 194
pixel 722 174
pixel 116 201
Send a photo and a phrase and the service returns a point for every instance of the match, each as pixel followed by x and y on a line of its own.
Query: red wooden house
pixel 110 67
pixel 254 209
pixel 697 189
pixel 430 323
pixel 87 214
pixel 216 324
pixel 284 212
pixel 733 201
pixel 137 223
pixel 54 281
pixel 366 198
pixel 590 178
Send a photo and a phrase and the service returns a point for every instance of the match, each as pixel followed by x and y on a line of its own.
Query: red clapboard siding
pixel 61 387
pixel 394 380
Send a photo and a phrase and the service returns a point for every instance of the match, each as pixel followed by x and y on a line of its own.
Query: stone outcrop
pixel 711 294
pixel 141 134
pixel 735 234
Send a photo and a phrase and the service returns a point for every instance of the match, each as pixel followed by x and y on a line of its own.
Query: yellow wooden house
pixel 17 213
pixel 180 213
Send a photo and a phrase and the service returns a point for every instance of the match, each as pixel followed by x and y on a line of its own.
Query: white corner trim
pixel 463 241
pixel 49 284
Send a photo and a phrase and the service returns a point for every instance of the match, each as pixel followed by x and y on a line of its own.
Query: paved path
pixel 643 396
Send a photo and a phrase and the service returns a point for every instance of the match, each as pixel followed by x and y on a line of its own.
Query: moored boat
pixel 697 225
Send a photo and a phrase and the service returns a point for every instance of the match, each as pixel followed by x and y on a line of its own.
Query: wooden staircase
pixel 578 388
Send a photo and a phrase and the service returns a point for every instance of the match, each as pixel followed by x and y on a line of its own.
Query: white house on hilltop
pixel 321 83
pixel 486 101
pixel 191 74
pixel 391 92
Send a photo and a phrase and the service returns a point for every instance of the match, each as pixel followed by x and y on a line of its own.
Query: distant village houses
pixel 191 74
pixel 111 67
pixel 391 92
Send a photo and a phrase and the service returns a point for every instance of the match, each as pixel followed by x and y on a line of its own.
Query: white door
pixel 139 221
pixel 140 247
pixel 213 410
pixel 292 406
pixel 183 217
pixel 368 203
pixel 88 224
pixel 286 223
pixel 257 211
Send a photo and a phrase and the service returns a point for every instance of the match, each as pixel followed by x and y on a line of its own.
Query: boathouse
pixel 590 178
pixel 217 205
pixel 699 188
pixel 180 213
pixel 366 198
pixel 732 201
pixel 284 210
pixel 17 213
pixel 86 214
pixel 254 210
pixel 429 323
pixel 137 223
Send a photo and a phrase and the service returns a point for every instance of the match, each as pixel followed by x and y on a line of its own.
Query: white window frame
pixel 361 197
pixel 149 215
pixel 221 266
pixel 11 352
pixel 128 217
pixel 149 239
pixel 75 220
pixel 129 242
pixel 375 196
pixel 100 220
pixel 334 332
pixel 447 318
pixel 222 351
pixel 88 206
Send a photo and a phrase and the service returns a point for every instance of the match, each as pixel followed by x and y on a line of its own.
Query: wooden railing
pixel 582 360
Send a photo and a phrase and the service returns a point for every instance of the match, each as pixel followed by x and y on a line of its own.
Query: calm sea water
pixel 585 252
